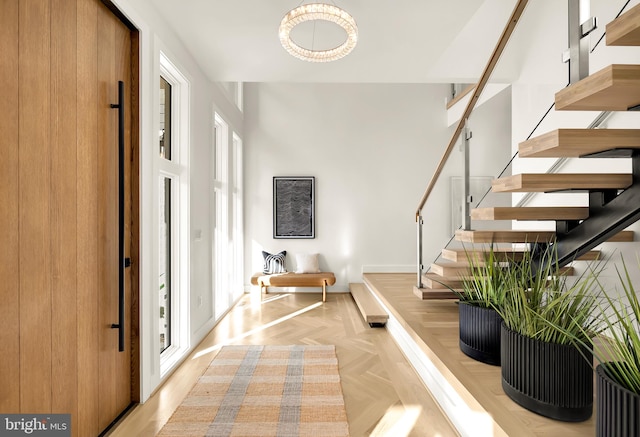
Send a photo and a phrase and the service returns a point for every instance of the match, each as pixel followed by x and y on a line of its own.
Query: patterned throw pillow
pixel 274 263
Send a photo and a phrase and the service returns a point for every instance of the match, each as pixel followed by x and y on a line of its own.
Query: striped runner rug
pixel 265 391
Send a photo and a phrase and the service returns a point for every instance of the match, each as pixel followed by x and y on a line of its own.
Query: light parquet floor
pixel 380 387
pixel 436 323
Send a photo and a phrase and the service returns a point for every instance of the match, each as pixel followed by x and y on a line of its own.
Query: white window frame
pixel 237 237
pixel 177 169
pixel 220 217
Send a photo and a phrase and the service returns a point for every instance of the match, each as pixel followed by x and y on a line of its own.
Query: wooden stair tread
pixel 622 237
pixel 371 310
pixel 462 270
pixel 458 255
pixel 522 236
pixel 614 88
pixel 426 293
pixel 451 269
pixel 592 255
pixel 548 182
pixel 507 236
pixel 433 281
pixel 625 30
pixel 572 143
pixel 531 213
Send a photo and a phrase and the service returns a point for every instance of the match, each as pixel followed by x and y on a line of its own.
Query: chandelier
pixel 313 12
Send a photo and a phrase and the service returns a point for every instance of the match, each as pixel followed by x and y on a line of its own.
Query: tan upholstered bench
pixel 289 279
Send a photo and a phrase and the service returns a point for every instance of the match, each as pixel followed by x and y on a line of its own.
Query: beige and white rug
pixel 265 391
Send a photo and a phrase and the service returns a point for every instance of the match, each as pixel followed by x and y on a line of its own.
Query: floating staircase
pixel 613 199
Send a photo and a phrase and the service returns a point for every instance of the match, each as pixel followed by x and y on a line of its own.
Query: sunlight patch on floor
pixel 256 330
pixel 270 299
pixel 253 300
pixel 398 421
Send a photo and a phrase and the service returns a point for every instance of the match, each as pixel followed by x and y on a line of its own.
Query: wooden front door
pixel 59 211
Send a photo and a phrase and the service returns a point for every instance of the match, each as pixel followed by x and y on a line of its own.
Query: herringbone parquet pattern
pixel 435 323
pixel 380 388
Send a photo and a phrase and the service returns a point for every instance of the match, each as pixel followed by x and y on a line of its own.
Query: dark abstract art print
pixel 293 207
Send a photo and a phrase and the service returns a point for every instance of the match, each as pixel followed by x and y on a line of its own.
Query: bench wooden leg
pixel 324 290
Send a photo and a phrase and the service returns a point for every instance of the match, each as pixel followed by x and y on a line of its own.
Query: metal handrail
pixel 484 78
pixel 477 92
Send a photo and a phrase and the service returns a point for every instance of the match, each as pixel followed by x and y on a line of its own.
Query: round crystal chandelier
pixel 312 12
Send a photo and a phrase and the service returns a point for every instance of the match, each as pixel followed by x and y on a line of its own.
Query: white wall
pixel 371 149
pixel 205 98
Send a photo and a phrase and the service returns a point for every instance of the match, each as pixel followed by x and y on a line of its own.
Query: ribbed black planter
pixel 480 333
pixel 549 379
pixel 618 409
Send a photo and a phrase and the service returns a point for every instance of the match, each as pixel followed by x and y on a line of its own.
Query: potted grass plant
pixel 618 371
pixel 544 368
pixel 617 353
pixel 482 291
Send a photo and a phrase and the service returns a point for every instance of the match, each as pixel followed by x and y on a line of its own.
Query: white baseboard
pixel 390 269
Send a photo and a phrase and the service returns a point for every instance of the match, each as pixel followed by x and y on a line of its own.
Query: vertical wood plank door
pixel 59 246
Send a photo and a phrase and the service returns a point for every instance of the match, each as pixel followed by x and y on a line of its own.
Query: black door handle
pixel 121 254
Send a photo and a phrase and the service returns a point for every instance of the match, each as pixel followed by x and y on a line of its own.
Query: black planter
pixel 480 333
pixel 618 409
pixel 549 379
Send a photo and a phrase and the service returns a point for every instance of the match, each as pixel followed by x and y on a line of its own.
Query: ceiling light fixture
pixel 313 12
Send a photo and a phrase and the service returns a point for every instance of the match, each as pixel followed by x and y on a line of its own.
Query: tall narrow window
pixel 173 215
pixel 164 256
pixel 164 206
pixel 221 274
pixel 165 119
pixel 238 220
pixel 164 242
pixel 240 95
pixel 227 214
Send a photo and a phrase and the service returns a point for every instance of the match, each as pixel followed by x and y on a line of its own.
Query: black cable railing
pixel 502 172
pixel 547 112
pixel 605 33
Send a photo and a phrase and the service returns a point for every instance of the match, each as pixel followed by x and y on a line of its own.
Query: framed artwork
pixel 294 207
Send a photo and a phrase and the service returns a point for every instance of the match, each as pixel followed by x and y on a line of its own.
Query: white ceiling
pixel 400 41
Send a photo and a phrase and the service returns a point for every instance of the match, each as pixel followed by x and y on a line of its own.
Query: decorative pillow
pixel 274 263
pixel 307 263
